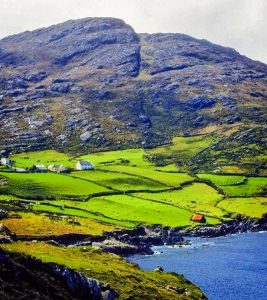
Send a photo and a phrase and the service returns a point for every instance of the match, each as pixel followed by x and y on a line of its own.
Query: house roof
pixel 84 163
pixel 197 217
pixel 40 166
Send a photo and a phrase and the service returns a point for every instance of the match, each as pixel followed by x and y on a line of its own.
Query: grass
pixel 57 207
pixel 30 224
pixel 119 181
pixel 222 180
pixel 45 185
pixel 252 187
pixel 197 197
pixel 182 148
pixel 135 210
pixel 238 186
pixel 119 157
pixel 46 157
pixel 253 207
pixel 168 179
pixel 125 277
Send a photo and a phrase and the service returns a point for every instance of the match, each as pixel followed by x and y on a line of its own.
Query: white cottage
pixel 5 161
pixel 84 165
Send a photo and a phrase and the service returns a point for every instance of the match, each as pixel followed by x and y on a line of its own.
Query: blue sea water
pixel 230 267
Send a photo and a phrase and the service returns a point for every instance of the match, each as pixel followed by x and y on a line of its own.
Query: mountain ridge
pixel 95 84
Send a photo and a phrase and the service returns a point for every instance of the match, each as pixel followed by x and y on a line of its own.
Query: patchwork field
pixel 129 188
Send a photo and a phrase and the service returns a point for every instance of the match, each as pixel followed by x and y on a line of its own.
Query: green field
pixel 134 210
pixel 238 186
pixel 197 197
pixel 222 180
pixel 46 157
pixel 169 179
pixel 253 207
pixel 119 181
pixel 43 185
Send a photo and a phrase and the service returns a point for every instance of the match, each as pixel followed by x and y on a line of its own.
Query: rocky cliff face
pixel 94 83
pixel 23 277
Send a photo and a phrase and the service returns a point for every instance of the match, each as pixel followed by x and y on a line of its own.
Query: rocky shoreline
pixel 142 239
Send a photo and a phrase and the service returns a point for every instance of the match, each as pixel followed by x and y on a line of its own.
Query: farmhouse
pixel 57 168
pixel 5 161
pixel 198 218
pixel 84 165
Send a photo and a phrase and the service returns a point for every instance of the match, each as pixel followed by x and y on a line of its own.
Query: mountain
pixel 95 83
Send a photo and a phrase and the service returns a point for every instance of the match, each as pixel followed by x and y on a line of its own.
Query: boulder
pixel 200 102
pixel 63 88
pixel 3 214
pixel 86 136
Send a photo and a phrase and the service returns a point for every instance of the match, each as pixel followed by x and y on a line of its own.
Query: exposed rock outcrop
pixel 141 88
pixel 24 278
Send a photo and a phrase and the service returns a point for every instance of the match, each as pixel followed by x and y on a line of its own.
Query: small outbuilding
pixel 39 168
pixel 5 161
pixel 84 165
pixel 198 218
pixel 57 168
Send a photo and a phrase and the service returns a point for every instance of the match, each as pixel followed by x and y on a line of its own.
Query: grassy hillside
pixel 112 269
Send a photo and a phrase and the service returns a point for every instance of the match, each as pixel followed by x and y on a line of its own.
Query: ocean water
pixel 230 267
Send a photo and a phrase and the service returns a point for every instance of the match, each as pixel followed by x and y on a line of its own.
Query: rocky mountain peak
pixel 96 77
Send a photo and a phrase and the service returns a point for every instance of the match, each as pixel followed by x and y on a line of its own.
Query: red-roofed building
pixel 198 218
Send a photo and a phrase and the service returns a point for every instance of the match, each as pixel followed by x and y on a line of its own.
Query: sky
pixel 240 24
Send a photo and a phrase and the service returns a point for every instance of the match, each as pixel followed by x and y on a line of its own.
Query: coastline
pixel 142 239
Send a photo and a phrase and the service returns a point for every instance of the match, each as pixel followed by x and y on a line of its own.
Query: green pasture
pixel 197 197
pixel 127 208
pixel 222 180
pixel 46 185
pixel 253 207
pixel 184 147
pixel 46 157
pixel 119 157
pixel 253 186
pixel 238 186
pixel 168 179
pixel 71 208
pixel 119 181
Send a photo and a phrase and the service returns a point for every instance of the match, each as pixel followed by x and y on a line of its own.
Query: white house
pixel 5 161
pixel 84 165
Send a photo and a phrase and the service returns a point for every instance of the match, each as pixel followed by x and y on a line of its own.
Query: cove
pixel 229 267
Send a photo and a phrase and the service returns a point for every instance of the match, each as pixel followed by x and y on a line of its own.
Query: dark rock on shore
pixel 6 236
pixel 238 225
